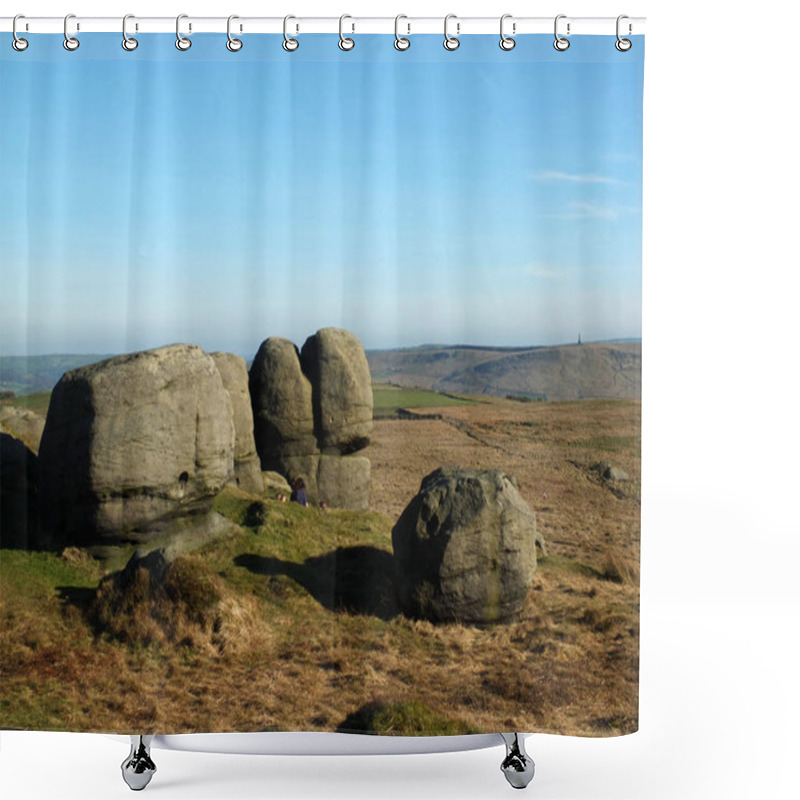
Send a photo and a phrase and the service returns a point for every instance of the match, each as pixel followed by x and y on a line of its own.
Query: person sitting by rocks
pixel 280 497
pixel 323 505
pixel 299 492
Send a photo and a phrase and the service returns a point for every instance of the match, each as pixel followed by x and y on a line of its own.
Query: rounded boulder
pixel 465 548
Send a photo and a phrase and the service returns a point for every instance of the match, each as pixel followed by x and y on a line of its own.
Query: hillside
pixel 30 374
pixel 561 372
pixel 289 621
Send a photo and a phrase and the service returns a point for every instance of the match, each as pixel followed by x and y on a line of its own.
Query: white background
pixel 720 555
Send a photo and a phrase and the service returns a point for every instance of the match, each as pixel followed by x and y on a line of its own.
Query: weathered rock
pixel 18 494
pixel 343 482
pixel 23 424
pixel 132 442
pixel 274 482
pixel 246 464
pixel 335 362
pixel 305 467
pixel 608 472
pixel 310 409
pixel 281 398
pixel 465 548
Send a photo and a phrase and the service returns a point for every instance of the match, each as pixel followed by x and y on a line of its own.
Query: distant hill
pixel 560 372
pixel 30 374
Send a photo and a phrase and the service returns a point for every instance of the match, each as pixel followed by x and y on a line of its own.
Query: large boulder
pixel 312 410
pixel 18 494
pixel 336 364
pixel 343 482
pixel 281 398
pixel 465 548
pixel 246 463
pixel 133 442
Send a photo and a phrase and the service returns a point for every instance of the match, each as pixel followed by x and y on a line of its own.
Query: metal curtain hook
pixel 70 42
pixel 450 42
pixel 561 43
pixel 345 43
pixel 181 42
pixel 18 43
pixel 506 42
pixel 233 44
pixel 289 44
pixel 400 42
pixel 128 42
pixel 623 45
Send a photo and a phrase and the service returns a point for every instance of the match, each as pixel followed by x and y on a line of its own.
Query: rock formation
pixel 133 442
pixel 465 548
pixel 246 464
pixel 19 506
pixel 337 366
pixel 312 410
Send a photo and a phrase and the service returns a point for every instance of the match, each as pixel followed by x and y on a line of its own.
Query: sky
pixel 472 197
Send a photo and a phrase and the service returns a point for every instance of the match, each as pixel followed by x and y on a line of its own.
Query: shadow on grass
pixel 78 596
pixel 404 717
pixel 355 579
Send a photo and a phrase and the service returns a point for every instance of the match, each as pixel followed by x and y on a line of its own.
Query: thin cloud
pixel 553 175
pixel 581 210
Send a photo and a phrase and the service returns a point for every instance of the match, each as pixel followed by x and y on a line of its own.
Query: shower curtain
pixel 321 380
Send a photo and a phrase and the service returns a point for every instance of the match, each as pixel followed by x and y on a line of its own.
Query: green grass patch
pixel 611 444
pixel 388 400
pixel 38 402
pixel 406 718
pixel 35 576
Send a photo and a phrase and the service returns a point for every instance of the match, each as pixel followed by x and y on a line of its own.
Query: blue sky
pixel 476 197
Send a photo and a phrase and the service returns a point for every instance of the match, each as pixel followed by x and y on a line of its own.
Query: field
pixel 268 636
pixel 388 400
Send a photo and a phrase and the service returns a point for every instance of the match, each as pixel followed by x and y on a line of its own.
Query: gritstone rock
pixel 18 494
pixel 343 482
pixel 335 362
pixel 133 442
pixel 465 548
pixel 246 464
pixel 311 409
pixel 281 397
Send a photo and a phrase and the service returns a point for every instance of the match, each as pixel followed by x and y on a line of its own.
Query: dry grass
pixel 255 632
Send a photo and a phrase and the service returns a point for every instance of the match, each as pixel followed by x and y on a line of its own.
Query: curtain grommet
pixel 507 42
pixel 622 44
pixel 233 44
pixel 345 42
pixel 401 43
pixel 451 43
pixel 561 43
pixel 182 42
pixel 289 44
pixel 128 42
pixel 71 43
pixel 18 43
